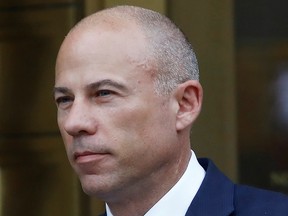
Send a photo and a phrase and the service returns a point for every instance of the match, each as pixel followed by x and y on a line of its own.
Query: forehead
pixel 104 50
pixel 105 38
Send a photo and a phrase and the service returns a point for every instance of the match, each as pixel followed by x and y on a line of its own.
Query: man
pixel 127 91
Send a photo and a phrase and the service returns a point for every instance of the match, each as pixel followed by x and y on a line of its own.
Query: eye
pixel 63 101
pixel 104 93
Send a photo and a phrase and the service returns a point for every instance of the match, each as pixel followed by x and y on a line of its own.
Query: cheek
pixel 133 122
pixel 67 141
pixel 60 123
pixel 140 128
pixel 148 124
pixel 128 129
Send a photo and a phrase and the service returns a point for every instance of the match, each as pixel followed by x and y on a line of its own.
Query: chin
pixel 92 190
pixel 94 187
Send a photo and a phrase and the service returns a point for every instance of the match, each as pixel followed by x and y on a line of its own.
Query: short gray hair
pixel 174 56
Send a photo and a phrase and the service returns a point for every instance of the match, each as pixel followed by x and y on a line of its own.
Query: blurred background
pixel 242 48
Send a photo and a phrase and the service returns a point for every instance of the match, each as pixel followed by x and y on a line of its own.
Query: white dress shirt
pixel 178 199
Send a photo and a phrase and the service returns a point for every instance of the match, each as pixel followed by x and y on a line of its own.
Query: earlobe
pixel 189 96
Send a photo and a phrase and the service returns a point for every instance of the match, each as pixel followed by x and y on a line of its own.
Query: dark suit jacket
pixel 218 196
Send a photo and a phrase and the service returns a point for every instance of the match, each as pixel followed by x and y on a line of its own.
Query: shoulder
pixel 254 201
pixel 244 200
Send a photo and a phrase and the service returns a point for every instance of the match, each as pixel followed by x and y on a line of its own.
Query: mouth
pixel 88 157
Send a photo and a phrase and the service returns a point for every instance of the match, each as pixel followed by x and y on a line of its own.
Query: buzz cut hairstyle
pixel 173 54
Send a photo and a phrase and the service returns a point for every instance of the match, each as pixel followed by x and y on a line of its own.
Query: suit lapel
pixel 215 196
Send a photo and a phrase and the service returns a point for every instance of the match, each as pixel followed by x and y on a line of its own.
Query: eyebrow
pixel 62 90
pixel 94 85
pixel 107 82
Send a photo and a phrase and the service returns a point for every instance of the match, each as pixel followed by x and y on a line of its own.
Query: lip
pixel 88 157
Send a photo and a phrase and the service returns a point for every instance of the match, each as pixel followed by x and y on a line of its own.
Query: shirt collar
pixel 177 200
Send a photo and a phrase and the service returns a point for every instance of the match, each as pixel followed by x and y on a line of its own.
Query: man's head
pixel 167 46
pixel 127 93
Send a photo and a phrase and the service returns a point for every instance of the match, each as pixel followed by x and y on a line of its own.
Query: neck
pixel 144 195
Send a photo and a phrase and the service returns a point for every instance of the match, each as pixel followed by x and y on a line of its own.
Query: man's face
pixel 118 133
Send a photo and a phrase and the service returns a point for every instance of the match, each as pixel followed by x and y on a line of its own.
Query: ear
pixel 189 96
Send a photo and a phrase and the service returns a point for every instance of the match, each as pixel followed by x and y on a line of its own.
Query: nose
pixel 79 120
